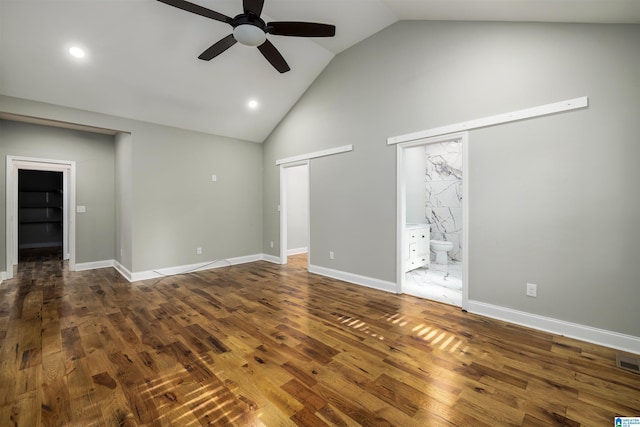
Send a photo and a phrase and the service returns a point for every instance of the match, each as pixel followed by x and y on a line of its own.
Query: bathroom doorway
pixel 433 219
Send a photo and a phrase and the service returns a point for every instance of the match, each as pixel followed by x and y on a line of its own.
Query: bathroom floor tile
pixel 436 285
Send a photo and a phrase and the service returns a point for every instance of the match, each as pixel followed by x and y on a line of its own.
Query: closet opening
pixel 40 215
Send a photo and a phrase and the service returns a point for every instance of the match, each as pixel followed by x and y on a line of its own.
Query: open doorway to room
pixel 294 212
pixel 40 193
pixel 433 222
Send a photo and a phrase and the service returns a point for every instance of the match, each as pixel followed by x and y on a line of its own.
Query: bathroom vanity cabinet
pixel 416 242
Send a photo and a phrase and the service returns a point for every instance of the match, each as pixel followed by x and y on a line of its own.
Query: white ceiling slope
pixel 142 61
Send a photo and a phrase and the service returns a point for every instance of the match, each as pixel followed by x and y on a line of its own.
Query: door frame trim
pixel 284 217
pixel 401 221
pixel 68 169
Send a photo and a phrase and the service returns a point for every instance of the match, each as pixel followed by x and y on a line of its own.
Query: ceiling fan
pixel 250 30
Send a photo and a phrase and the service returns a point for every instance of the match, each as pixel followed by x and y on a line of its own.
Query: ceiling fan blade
pixel 253 6
pixel 217 48
pixel 198 10
pixel 270 52
pixel 301 29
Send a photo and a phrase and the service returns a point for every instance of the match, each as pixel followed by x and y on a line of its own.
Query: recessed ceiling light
pixel 252 104
pixel 76 52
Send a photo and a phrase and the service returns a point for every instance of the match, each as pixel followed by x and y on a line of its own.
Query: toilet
pixel 441 247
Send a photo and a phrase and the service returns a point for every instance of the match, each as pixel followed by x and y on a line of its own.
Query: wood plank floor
pixel 264 344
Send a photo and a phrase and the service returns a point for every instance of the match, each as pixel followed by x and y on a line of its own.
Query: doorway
pixel 433 219
pixel 294 211
pixel 44 208
pixel 40 215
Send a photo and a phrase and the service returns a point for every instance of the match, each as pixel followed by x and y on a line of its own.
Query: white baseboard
pixel 3 276
pixel 170 271
pixel 369 282
pixel 81 266
pixel 297 251
pixel 182 269
pixel 271 258
pixel 603 337
pixel 124 272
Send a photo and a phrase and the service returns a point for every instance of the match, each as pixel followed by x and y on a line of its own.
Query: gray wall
pixel 297 207
pixel 124 199
pixel 176 206
pixel 95 164
pixel 415 166
pixel 552 201
pixel 167 203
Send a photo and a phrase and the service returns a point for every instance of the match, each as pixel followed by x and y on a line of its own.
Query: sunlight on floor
pixel 359 325
pixel 438 338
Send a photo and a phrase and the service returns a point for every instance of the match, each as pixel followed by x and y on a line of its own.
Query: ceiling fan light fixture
pixel 249 35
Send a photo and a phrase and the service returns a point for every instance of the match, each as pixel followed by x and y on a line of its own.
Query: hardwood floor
pixel 40 254
pixel 264 344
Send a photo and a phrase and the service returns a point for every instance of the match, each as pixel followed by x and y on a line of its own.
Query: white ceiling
pixel 142 61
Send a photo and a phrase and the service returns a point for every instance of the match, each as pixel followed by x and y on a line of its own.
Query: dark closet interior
pixel 40 213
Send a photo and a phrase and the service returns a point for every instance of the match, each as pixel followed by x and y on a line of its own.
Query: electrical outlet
pixel 271 243
pixel 214 178
pixel 198 251
pixel 532 290
pixel 331 255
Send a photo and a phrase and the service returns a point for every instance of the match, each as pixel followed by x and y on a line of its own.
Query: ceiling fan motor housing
pixel 249 30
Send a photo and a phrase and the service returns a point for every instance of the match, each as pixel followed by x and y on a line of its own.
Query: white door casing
pixel 401 191
pixel 68 169
pixel 284 201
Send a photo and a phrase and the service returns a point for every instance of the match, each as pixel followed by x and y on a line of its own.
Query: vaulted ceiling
pixel 141 55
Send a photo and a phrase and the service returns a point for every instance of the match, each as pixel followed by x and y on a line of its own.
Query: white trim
pixel 55 123
pixel 183 269
pixel 284 211
pixel 93 265
pixel 401 215
pixel 68 169
pixel 170 271
pixel 401 207
pixel 271 258
pixel 369 282
pixel 603 337
pixel 190 268
pixel 466 193
pixel 124 272
pixel 315 154
pixel 297 251
pixel 527 113
pixel 3 276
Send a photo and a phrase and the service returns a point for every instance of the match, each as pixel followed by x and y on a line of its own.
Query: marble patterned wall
pixel 443 207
